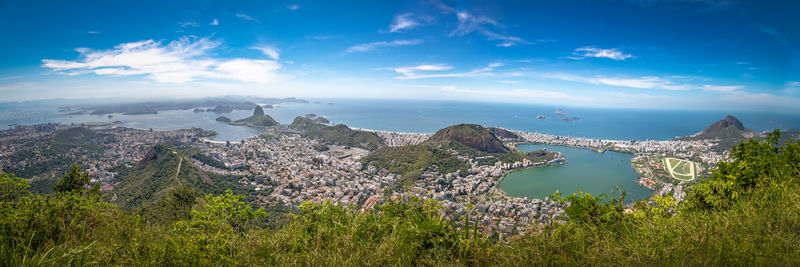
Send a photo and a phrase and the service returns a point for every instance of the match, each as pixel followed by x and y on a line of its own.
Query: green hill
pixel 257 120
pixel 162 169
pixel 411 161
pixel 436 154
pixel 48 157
pixel 339 135
pixel 471 135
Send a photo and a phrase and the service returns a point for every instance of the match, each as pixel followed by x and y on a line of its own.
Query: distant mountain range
pixel 222 104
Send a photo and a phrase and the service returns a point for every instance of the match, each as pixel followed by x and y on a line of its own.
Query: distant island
pixel 220 104
pixel 259 119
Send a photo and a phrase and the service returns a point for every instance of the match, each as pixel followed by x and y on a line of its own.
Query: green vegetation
pixel 680 169
pixel 472 135
pixel 161 171
pixel 55 153
pixel 411 161
pixel 440 153
pixel 339 135
pixel 746 213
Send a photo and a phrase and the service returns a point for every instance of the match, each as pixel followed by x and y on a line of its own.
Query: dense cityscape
pixel 292 169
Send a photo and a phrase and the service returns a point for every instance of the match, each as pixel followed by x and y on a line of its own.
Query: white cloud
pixel 180 61
pixel 433 67
pixel 423 71
pixel 403 22
pixel 469 23
pixel 246 17
pixel 722 88
pixel 293 7
pixel 214 22
pixel 517 93
pixel 375 45
pixel 188 24
pixel 269 51
pixel 675 83
pixel 588 51
pixel 791 87
pixel 93 32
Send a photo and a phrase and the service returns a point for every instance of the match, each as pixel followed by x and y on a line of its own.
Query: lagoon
pixel 586 170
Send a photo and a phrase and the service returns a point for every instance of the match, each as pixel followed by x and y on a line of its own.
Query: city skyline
pixel 724 55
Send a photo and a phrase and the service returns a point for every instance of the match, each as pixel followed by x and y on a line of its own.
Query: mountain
pixel 442 152
pixel 162 169
pixel 728 131
pixel 729 127
pixel 503 133
pixel 257 120
pixel 471 135
pixel 340 135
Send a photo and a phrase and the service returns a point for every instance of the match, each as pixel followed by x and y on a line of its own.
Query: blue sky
pixel 662 54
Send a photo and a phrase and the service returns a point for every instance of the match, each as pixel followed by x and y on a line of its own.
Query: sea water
pixel 429 116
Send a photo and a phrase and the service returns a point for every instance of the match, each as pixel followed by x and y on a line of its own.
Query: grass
pixel 679 169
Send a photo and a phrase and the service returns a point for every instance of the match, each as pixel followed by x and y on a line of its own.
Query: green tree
pixel 756 166
pixel 12 188
pixel 74 180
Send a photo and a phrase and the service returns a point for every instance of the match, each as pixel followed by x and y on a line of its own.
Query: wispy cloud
pixel 425 67
pixel 403 22
pixel 246 17
pixel 589 51
pixel 214 22
pixel 434 71
pixel 376 45
pixel 722 88
pixel 93 32
pixel 180 61
pixel 469 23
pixel 674 83
pixel 293 7
pixel 188 24
pixel 321 37
pixel 271 52
pixel 517 93
pixel 792 87
pixel 774 33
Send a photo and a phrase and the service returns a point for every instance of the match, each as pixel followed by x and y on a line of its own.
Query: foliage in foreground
pixel 746 213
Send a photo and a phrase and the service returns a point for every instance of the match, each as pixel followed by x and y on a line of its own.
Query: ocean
pixel 429 116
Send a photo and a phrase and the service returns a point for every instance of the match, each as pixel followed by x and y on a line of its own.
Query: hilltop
pixel 729 127
pixel 340 135
pixel 471 135
pixel 162 169
pixel 728 131
pixel 53 153
pixel 259 119
pixel 442 151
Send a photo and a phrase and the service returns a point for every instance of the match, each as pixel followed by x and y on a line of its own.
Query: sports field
pixel 680 169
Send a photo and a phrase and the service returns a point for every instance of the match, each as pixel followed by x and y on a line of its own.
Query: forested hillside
pixel 746 213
